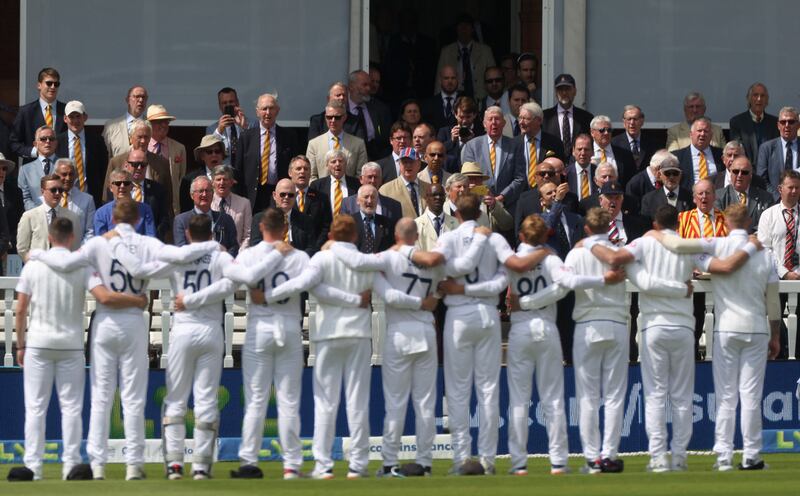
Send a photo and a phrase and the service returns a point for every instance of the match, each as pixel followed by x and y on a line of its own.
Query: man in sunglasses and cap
pixel 670 190
pixel 32 231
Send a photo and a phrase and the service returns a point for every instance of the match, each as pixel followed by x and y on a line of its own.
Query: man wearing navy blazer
pixel 700 135
pixel 754 126
pixel 223 227
pixel 781 153
pixel 565 112
pixel 388 207
pixel 399 138
pixel 671 192
pixel 372 116
pixel 380 230
pixel 229 128
pixel 620 157
pixel 466 127
pixel 304 230
pixel 253 183
pixel 439 110
pixel 742 190
pixel 149 192
pixel 496 154
pixel 324 186
pixel 79 143
pixel 317 124
pixel 579 163
pixel 641 147
pixel 44 111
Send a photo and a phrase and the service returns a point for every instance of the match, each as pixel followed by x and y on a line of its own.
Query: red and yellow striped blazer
pixel 689 224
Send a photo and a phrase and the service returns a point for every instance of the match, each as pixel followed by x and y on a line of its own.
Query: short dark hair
pixel 226 89
pixel 469 206
pixel 521 88
pixel 791 174
pixel 400 126
pixel 50 177
pixel 465 104
pixel 273 220
pixel 200 227
pixel 126 211
pixel 49 71
pixel 60 229
pixel 527 56
pixel 667 217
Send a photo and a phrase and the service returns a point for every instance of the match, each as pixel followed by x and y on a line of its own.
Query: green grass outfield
pixel 782 477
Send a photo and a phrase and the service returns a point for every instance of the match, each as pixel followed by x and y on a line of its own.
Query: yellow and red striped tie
pixel 48 116
pixel 532 163
pixel 265 159
pixel 584 184
pixel 708 226
pixel 301 202
pixel 492 156
pixel 78 154
pixel 337 198
pixel 702 166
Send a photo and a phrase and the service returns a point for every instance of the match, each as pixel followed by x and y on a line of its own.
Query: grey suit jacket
pixel 510 172
pixel 30 180
pixel 771 161
pixel 82 205
pixel 758 200
pixel 32 229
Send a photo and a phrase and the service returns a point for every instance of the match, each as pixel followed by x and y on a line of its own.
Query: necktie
pixel 412 192
pixel 265 158
pixel 613 232
pixel 466 69
pixel 158 148
pixel 138 195
pixel 448 108
pixel 46 166
pixel 584 184
pixel 708 226
pixel 362 122
pixel 48 116
pixel 563 240
pixel 53 215
pixel 743 198
pixel 492 156
pixel 532 160
pixel 789 164
pixel 288 228
pixel 65 199
pixel 335 142
pixel 369 238
pixel 223 205
pixel 702 166
pixel 78 156
pixel 2 198
pixel 516 128
pixel 566 133
pixel 301 202
pixel 791 239
pixel 671 195
pixel 234 143
pixel 603 157
pixel 437 225
pixel 337 198
pixel 636 152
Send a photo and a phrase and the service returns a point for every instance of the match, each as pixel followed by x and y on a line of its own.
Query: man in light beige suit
pixel 167 148
pixel 433 221
pixel 116 131
pixel 469 57
pixel 336 139
pixel 694 107
pixel 408 189
pixel 32 227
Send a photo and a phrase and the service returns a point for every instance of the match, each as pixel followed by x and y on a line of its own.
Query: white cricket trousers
pixel 541 355
pixel 600 354
pixel 739 364
pixel 668 371
pixel 67 370
pixel 265 361
pixel 403 375
pixel 118 349
pixel 194 365
pixel 472 353
pixel 340 359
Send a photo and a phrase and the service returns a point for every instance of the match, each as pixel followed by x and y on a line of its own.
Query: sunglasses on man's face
pixel 286 195
pixel 121 183
pixel 50 84
pixel 56 191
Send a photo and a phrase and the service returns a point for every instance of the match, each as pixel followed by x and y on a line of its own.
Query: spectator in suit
pixel 309 201
pixel 533 144
pixel 5 141
pixel 508 63
pixel 699 160
pixel 741 190
pixel 388 207
pixel 75 200
pixel 439 109
pixel 121 185
pixel 530 201
pixel 86 150
pixel 226 201
pixel 781 153
pixel 620 157
pixel 456 136
pixel 670 192
pixel 263 155
pixel 605 173
pixel 624 226
pixel 222 224
pixel 496 154
pixel 31 173
pixel 435 155
pixel 32 229
pixel 567 227
pixel 167 148
pixel 422 136
pixel 336 186
pixel 581 171
pixel 754 126
pixel 496 94
pixel 731 150
pixel 518 95
pixel 564 119
pixel 317 124
pixel 372 115
pixel 44 111
pixel 116 132
pixel 374 230
pixel 157 166
pixel 407 189
pixel 211 152
pixel 470 57
pixel 336 139
pixel 11 208
pixel 230 126
pixel 410 113
pixel 494 215
pixel 303 231
pixel 647 179
pixel 527 65
pixel 433 221
pixel 400 139
pixel 149 192
pixel 375 88
pixel 632 139
pixel 694 107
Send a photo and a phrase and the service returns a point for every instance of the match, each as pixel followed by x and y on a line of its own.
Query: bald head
pixel 405 231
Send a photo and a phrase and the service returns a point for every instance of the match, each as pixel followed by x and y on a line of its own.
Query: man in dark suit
pixel 581 170
pixel 754 126
pixel 567 227
pixel 534 145
pixel 317 124
pixel 325 187
pixel 455 136
pixel 308 201
pixel 10 199
pixel 263 154
pixel 304 232
pixel 632 139
pixel 564 119
pixel 86 149
pixel 439 110
pixel 150 193
pixel 388 207
pixel 372 116
pixel 742 190
pixel 646 180
pixel 732 150
pixel 400 137
pixel 699 160
pixel 606 173
pixel 44 111
pixel 223 227
pixel 620 157
pixel 671 192
pixel 374 231
pixel 781 153
pixel 624 226
pixel 530 202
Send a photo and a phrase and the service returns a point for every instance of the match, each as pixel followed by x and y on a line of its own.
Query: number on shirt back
pixel 194 279
pixel 423 280
pixel 526 287
pixel 121 281
pixel 277 279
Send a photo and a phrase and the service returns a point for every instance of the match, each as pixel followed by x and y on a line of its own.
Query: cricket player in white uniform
pixel 667 351
pixel 53 349
pixel 409 349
